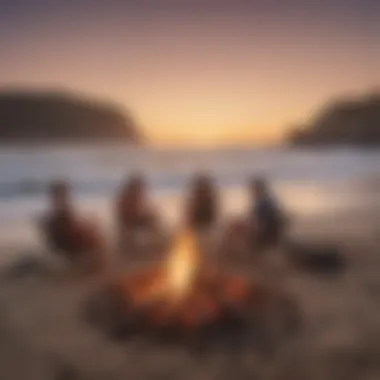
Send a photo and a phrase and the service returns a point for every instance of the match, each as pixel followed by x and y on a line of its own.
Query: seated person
pixel 263 227
pixel 78 241
pixel 202 210
pixel 267 221
pixel 134 215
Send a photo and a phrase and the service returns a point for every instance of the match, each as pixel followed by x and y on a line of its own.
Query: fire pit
pixel 178 301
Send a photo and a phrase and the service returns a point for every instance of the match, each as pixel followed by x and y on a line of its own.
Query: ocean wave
pixel 101 186
pixel 100 172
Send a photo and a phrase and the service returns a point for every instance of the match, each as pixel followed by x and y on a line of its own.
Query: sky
pixel 196 72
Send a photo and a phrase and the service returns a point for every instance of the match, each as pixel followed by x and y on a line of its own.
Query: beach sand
pixel 44 337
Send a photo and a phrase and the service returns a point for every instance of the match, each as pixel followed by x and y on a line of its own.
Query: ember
pixel 182 296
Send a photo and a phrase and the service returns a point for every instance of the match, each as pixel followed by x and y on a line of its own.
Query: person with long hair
pixel 202 214
pixel 135 215
pixel 263 227
pixel 76 239
pixel 202 209
pixel 267 219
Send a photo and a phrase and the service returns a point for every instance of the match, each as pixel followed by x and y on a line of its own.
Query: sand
pixel 44 337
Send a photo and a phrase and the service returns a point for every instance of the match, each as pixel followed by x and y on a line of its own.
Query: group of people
pixel 83 243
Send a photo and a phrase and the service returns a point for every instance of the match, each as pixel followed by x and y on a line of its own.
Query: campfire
pixel 182 297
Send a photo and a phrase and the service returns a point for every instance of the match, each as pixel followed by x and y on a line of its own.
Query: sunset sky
pixel 192 71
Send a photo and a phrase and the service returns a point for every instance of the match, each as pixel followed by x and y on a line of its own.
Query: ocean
pixel 308 182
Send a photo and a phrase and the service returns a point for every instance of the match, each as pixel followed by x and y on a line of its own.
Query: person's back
pixel 137 224
pixel 132 209
pixel 59 231
pixel 66 233
pixel 202 208
pixel 267 219
pixel 59 224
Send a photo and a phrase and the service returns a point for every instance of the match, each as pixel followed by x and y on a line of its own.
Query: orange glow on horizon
pixel 209 136
pixel 233 75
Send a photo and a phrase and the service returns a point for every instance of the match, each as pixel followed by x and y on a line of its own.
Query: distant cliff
pixel 354 122
pixel 33 117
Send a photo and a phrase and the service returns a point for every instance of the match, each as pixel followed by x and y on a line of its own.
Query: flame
pixel 181 265
pixel 172 281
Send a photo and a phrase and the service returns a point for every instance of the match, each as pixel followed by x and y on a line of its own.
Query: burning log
pixel 179 300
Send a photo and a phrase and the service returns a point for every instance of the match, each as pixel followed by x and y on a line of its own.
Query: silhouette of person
pixel 263 227
pixel 267 221
pixel 79 241
pixel 202 209
pixel 134 214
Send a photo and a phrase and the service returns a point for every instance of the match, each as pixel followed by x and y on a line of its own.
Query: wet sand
pixel 44 337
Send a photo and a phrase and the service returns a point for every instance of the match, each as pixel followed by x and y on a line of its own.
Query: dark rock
pixel 53 117
pixel 315 257
pixel 352 122
pixel 26 266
